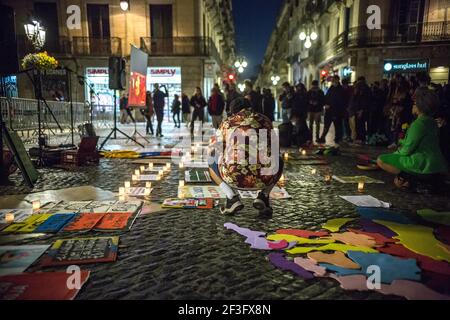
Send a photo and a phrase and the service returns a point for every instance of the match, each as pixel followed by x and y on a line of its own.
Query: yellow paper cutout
pixel 331 247
pixel 299 240
pixel 419 239
pixel 334 225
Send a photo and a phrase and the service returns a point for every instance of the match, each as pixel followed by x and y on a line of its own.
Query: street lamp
pixel 308 37
pixel 241 64
pixel 275 80
pixel 35 33
pixel 125 5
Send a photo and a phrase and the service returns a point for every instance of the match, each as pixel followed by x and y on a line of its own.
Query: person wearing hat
pixel 239 160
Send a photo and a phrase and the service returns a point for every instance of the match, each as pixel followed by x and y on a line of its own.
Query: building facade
pixel 188 42
pixel 414 36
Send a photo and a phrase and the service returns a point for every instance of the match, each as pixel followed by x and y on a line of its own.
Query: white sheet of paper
pixel 276 193
pixel 366 201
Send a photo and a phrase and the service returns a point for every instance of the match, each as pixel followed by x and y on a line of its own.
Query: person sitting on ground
pixel 234 169
pixel 419 154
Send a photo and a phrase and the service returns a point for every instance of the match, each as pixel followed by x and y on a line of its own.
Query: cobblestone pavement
pixel 188 254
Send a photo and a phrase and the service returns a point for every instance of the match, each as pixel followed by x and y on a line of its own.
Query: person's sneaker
pixel 262 204
pixel 232 206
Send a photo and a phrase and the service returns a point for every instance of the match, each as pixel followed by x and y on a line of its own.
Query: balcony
pixel 77 46
pixel 399 34
pixel 181 46
pixel 86 46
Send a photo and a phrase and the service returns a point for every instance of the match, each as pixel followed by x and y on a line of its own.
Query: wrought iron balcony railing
pixel 87 46
pixel 76 46
pixel 180 46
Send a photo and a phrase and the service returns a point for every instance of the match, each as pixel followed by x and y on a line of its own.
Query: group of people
pixel 409 115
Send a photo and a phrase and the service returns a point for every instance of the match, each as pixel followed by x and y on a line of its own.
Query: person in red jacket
pixel 216 106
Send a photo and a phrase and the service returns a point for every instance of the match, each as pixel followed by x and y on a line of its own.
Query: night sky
pixel 254 22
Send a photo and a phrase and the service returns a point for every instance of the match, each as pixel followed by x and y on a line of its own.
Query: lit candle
pixel 127 184
pixel 286 156
pixel 122 198
pixel 121 191
pixel 161 172
pixel 147 192
pixel 361 186
pixel 150 165
pixel 36 204
pixel 303 152
pixel 313 171
pixel 282 178
pixel 148 184
pixel 137 172
pixel 9 217
pixel 328 178
pixel 181 165
pixel 142 168
pixel 181 183
pixel 158 177
pixel 168 165
pixel 134 177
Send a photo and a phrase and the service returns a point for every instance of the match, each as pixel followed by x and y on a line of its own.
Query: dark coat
pixel 336 99
pixel 316 100
pixel 216 105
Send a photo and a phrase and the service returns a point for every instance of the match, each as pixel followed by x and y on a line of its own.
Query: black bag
pixel 285 131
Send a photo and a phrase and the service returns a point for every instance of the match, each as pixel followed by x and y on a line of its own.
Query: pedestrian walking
pixel 185 108
pixel 316 101
pixel 268 104
pixel 216 106
pixel 287 100
pixel 122 107
pixel 231 94
pixel 334 110
pixel 148 113
pixel 359 109
pixel 176 109
pixel 198 102
pixel 159 102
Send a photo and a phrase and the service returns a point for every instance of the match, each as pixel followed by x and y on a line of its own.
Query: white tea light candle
pixel 127 184
pixel 36 204
pixel 150 165
pixel 137 172
pixel 181 183
pixel 121 191
pixel 142 168
pixel 9 217
pixel 361 186
pixel 148 184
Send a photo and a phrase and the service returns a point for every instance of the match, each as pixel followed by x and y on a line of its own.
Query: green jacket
pixel 419 152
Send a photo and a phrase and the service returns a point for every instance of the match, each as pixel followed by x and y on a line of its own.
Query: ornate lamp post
pixel 275 80
pixel 35 33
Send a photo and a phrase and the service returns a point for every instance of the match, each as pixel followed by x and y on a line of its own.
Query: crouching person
pixel 244 157
pixel 419 158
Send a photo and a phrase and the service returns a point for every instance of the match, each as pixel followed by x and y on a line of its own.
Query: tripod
pixel 136 134
pixel 115 129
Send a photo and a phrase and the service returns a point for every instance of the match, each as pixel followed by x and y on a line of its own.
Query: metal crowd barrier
pixel 21 115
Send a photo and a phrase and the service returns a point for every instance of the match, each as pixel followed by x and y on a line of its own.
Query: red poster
pixel 137 90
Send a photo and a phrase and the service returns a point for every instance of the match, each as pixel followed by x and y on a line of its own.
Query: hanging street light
pixel 308 37
pixel 275 80
pixel 241 87
pixel 35 33
pixel 125 5
pixel 241 64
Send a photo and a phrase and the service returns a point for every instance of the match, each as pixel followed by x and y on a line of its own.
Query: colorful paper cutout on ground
pixel 303 233
pixel 256 238
pixel 310 266
pixel 299 240
pixel 411 290
pixel 337 258
pixel 382 214
pixel 332 247
pixel 435 216
pixel 354 239
pixel 392 268
pixel 419 239
pixel 379 238
pixel 370 226
pixel 335 224
pixel 424 262
pixel 443 234
pixel 280 261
